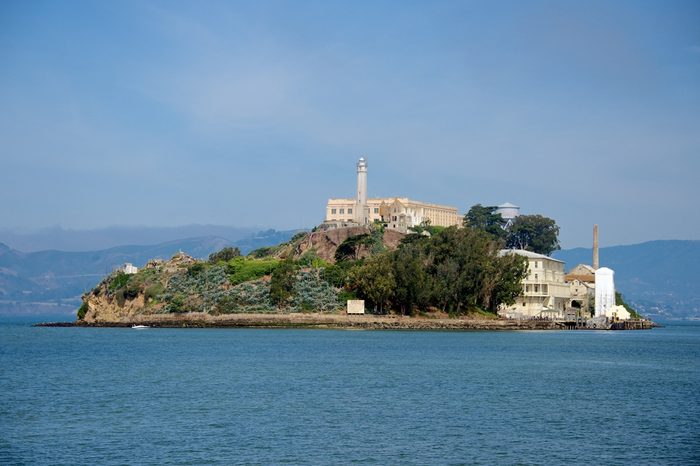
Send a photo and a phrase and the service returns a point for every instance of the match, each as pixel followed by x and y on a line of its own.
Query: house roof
pixel 528 254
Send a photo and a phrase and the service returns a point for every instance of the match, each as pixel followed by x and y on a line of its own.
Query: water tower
pixel 508 212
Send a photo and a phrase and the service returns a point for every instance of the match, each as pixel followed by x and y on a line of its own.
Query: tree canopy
pixel 226 254
pixel 455 270
pixel 485 219
pixel 534 233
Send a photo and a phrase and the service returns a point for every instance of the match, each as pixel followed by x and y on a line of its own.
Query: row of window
pixel 342 211
pixel 537 288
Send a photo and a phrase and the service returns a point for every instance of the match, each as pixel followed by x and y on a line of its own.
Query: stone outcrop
pixel 326 242
pixel 104 305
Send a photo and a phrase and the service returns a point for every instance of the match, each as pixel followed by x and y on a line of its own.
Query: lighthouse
pixel 361 209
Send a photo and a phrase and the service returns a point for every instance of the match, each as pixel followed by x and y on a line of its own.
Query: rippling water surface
pixel 169 396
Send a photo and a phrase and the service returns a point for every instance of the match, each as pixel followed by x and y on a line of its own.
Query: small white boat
pixel 139 326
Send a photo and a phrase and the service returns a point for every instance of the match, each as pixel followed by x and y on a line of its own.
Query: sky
pixel 255 113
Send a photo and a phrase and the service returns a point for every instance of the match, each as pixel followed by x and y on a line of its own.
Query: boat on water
pixel 139 326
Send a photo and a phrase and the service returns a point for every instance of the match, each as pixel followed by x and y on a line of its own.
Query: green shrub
pixel 225 255
pixel 312 293
pixel 297 237
pixel 282 282
pixel 243 269
pixel 153 292
pixel 345 296
pixel 118 281
pixel 266 251
pixel 195 268
pixel 82 310
pixel 338 273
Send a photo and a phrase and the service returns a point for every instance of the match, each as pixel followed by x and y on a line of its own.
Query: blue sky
pixel 253 114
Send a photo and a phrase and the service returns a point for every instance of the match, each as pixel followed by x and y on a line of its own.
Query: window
pixel 376 210
pixel 535 274
pixel 349 211
pixel 332 211
pixel 342 211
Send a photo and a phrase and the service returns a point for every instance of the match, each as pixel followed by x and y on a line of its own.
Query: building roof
pixel 528 254
pixel 585 266
pixel 508 205
pixel 391 200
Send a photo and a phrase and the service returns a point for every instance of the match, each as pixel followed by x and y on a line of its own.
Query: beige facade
pixel 581 280
pixel 399 213
pixel 545 292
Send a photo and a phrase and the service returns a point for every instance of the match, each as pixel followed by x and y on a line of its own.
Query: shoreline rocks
pixel 313 320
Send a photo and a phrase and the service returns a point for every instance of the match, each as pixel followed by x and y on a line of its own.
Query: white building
pixel 604 291
pixel 129 268
pixel 618 312
pixel 545 293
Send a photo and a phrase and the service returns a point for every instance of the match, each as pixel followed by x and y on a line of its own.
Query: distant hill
pixel 660 278
pixel 103 238
pixel 52 281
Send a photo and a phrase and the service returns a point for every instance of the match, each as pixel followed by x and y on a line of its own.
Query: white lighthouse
pixel 361 208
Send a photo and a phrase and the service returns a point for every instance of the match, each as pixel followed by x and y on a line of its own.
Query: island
pixel 452 278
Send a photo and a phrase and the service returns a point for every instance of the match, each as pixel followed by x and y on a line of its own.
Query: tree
pixel 505 281
pixel 374 281
pixel 282 282
pixel 534 233
pixel 352 247
pixel 410 276
pixel 225 255
pixel 485 219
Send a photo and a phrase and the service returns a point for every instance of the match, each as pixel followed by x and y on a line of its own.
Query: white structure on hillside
pixel 618 312
pixel 604 291
pixel 399 213
pixel 545 293
pixel 129 268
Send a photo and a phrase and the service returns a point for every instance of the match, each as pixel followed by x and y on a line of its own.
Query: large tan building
pixel 545 292
pixel 399 213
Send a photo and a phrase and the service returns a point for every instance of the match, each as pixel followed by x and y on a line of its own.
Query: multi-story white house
pixel 545 292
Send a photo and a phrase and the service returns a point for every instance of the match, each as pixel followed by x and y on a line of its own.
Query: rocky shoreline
pixel 314 320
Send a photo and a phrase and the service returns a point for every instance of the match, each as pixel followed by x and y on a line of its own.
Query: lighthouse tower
pixel 361 209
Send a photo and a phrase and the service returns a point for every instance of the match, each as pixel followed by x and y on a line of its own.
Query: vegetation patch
pixel 242 269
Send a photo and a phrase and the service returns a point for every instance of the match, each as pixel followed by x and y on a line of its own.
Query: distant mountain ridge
pixel 62 239
pixel 56 279
pixel 660 278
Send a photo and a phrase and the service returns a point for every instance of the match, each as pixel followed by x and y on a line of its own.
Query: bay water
pixel 252 396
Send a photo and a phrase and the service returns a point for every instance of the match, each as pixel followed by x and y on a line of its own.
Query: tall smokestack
pixel 596 262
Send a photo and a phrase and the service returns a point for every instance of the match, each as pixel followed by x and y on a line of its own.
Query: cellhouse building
pixel 398 213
